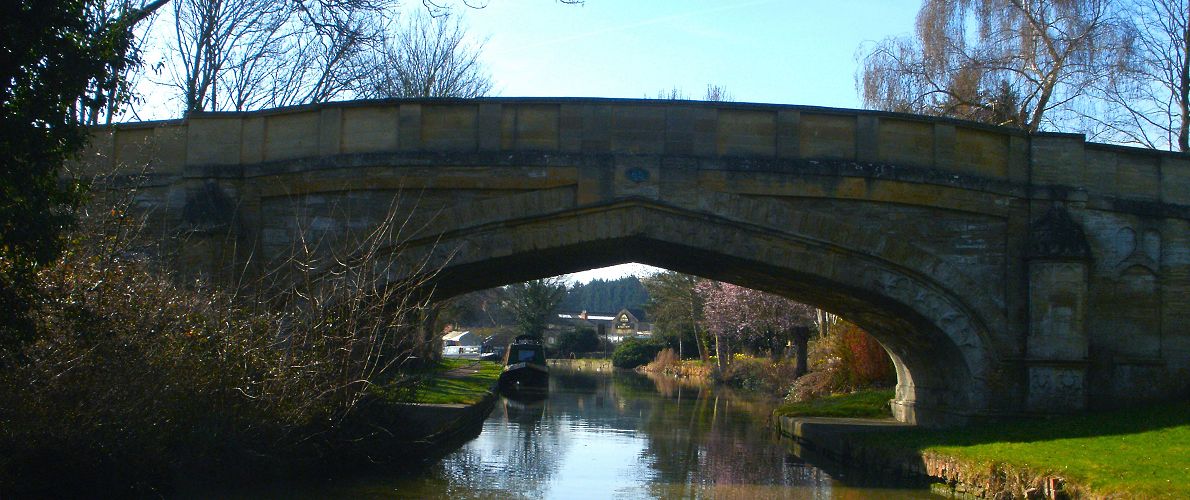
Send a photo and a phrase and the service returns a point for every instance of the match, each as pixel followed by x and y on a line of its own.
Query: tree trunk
pixel 720 359
pixel 801 340
pixel 1184 93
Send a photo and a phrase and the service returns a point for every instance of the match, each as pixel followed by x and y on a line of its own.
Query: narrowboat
pixel 524 365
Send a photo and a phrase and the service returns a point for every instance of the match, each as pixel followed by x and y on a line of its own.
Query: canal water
pixel 618 434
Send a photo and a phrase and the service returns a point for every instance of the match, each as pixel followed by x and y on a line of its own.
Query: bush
pixel 846 360
pixel 665 361
pixel 633 353
pixel 131 380
pixel 759 374
pixel 862 361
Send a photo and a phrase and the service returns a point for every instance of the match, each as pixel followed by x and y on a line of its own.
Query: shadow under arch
pixel 941 349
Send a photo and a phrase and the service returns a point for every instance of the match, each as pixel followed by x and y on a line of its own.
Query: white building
pixel 461 345
pixel 465 338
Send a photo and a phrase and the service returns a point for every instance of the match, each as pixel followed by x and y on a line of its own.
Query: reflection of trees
pixel 673 387
pixel 703 438
pixel 696 441
pixel 574 381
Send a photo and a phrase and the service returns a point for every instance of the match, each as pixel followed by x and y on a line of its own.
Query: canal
pixel 619 434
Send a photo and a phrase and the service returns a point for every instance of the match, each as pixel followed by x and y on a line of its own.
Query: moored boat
pixel 524 365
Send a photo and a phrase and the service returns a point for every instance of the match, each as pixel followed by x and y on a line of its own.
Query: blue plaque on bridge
pixel 637 174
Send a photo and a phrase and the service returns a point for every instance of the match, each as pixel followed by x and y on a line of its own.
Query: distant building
pixel 465 338
pixel 461 345
pixel 613 327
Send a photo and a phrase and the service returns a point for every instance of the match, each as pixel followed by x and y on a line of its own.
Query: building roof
pixel 455 336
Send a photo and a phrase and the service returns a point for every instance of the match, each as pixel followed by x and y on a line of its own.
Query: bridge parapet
pixel 643 127
pixel 589 126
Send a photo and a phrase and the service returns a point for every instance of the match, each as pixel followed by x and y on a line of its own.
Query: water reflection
pixel 618 435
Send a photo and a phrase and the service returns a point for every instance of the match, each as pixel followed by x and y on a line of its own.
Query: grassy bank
pixel 1141 452
pixel 871 403
pixel 457 381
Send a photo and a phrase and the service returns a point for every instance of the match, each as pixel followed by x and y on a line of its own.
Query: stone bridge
pixel 1005 273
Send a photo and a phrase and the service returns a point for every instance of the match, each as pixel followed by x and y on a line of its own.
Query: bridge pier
pixel 1056 351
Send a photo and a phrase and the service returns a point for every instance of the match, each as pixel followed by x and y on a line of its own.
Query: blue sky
pixel 776 51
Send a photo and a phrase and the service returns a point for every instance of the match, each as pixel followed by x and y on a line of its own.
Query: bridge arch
pixel 940 346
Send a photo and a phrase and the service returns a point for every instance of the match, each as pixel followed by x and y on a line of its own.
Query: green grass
pixel 870 403
pixel 437 388
pixel 1141 452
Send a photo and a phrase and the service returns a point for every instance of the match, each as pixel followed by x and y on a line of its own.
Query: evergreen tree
pixel 58 59
pixel 533 302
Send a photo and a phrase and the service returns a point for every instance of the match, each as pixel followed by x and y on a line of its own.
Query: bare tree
pixel 427 56
pixel 714 93
pixel 445 7
pixel 1146 96
pixel 1006 62
pixel 250 54
pixel 104 99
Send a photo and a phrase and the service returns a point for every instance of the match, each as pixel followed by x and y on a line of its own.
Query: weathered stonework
pixel 1003 272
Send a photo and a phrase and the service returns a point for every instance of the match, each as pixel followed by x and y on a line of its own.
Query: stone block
pixel 746 133
pixel 827 136
pixel 489 123
pixel 449 128
pixel 867 138
pixel 946 152
pixel 638 129
pixel 213 140
pixel 1175 179
pixel 1058 159
pixel 291 135
pixel 789 133
pixel 330 131
pixel 570 127
pixel 135 149
pixel 1137 176
pixel 370 129
pixel 980 152
pixel 690 131
pixel 1057 310
pixel 1056 388
pixel 536 127
pixel 252 140
pixel 906 142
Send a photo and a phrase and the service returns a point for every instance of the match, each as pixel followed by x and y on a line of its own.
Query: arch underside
pixel 942 349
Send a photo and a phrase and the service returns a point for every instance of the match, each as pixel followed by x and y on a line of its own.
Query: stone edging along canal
pixel 446 424
pixel 834 439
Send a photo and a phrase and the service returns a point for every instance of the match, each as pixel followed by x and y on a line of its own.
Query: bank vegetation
pixel 133 381
pixel 752 340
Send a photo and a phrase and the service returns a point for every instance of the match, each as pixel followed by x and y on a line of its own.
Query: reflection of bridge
pixel 1002 271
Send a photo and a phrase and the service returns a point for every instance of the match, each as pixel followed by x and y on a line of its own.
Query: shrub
pixel 665 361
pixel 760 374
pixel 632 353
pixel 863 362
pixel 131 379
pixel 846 360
